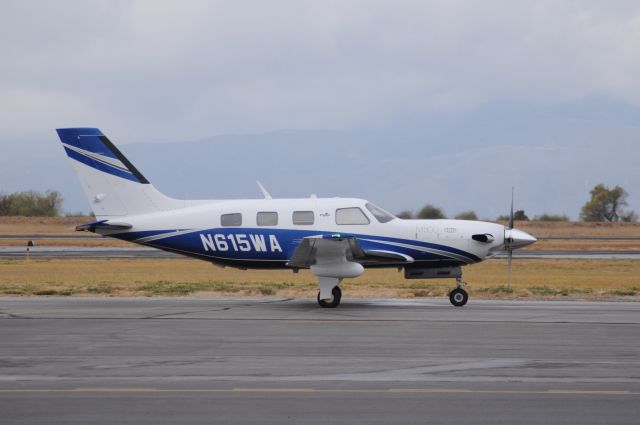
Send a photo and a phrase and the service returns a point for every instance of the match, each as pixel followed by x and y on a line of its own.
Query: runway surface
pixel 144 252
pixel 269 360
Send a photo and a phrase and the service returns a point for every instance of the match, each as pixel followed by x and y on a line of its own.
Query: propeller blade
pixel 511 214
pixel 509 241
pixel 509 263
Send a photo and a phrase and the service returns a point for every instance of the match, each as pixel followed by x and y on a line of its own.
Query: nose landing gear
pixel 459 296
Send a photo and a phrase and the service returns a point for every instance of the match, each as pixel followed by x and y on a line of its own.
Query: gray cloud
pixel 450 102
pixel 172 70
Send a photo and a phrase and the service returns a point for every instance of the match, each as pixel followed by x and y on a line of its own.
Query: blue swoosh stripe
pixel 101 166
pixel 290 239
pixel 87 139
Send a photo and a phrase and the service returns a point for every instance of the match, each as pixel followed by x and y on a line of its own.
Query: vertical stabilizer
pixel 114 187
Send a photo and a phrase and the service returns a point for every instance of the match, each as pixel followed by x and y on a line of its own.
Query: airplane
pixel 336 238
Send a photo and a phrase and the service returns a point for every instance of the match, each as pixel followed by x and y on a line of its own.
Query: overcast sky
pixel 455 100
pixel 179 70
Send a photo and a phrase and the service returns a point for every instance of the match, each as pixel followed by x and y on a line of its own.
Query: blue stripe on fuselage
pixel 262 248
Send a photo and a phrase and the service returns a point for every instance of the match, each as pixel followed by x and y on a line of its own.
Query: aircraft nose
pixel 517 238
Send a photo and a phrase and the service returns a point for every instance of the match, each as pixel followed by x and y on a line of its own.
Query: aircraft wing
pixel 337 248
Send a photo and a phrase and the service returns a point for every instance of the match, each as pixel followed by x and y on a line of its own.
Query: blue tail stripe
pixel 102 166
pixel 85 138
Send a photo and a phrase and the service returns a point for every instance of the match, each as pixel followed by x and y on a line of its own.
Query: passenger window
pixel 351 216
pixel 234 219
pixel 267 219
pixel 303 217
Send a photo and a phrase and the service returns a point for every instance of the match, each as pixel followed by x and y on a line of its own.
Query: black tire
pixel 333 303
pixel 458 297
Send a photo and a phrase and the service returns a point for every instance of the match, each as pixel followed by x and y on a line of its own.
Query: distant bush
pixel 466 215
pixel 405 214
pixel 430 212
pixel 551 217
pixel 518 215
pixel 31 203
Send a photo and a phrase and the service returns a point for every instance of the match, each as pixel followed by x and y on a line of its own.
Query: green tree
pixel 519 215
pixel 607 205
pixel 430 212
pixel 466 215
pixel 31 203
pixel 406 214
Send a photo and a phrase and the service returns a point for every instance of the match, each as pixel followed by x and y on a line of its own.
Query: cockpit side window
pixel 381 215
pixel 352 215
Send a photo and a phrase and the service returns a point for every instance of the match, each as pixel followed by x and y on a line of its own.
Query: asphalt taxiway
pixel 270 360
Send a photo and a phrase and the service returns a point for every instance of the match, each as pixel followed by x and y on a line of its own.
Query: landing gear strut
pixel 459 296
pixel 333 302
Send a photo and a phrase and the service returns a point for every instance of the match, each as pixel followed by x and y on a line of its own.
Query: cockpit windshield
pixel 381 215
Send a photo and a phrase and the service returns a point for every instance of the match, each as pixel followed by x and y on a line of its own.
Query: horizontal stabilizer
pixel 102 225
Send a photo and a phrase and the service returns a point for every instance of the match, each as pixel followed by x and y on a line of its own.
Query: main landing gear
pixel 333 302
pixel 459 296
pixel 330 293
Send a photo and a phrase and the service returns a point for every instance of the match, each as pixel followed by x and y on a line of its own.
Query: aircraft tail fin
pixel 113 185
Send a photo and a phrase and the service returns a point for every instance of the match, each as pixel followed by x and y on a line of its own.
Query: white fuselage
pixel 199 231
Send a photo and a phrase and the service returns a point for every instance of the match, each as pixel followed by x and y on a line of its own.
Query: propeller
pixel 511 214
pixel 508 240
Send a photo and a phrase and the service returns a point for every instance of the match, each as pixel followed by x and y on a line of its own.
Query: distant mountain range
pixel 553 156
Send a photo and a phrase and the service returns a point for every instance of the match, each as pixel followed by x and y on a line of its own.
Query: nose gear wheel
pixel 458 297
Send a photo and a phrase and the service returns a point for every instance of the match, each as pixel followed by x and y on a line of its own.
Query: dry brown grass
pixel 40 225
pixel 587 279
pixel 542 229
pixel 97 241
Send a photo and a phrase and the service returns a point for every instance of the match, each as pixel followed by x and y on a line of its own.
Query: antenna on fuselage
pixel 265 192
